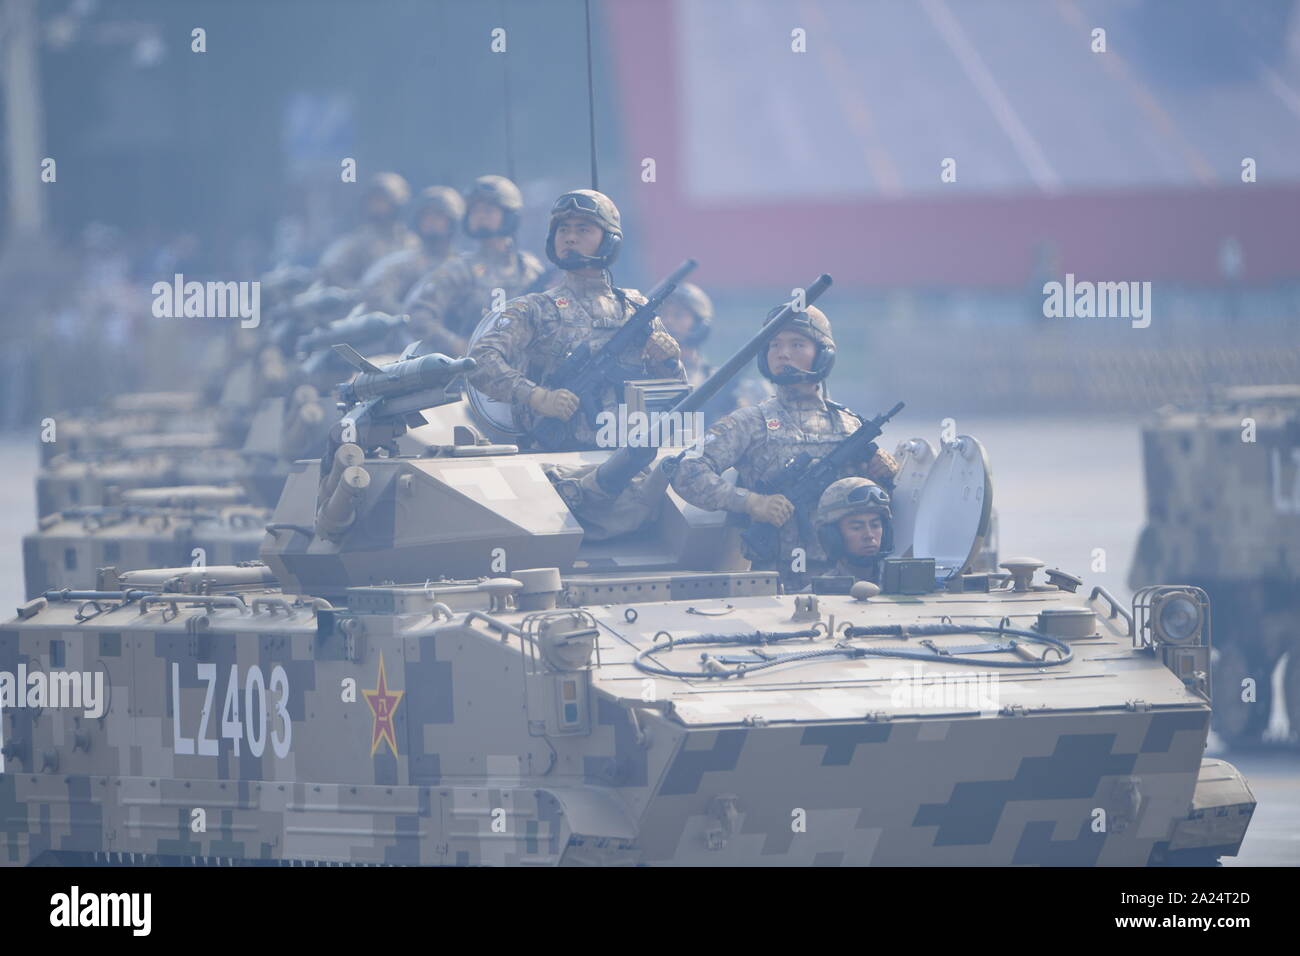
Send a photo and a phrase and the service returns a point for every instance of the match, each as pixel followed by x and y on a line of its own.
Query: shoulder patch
pixel 773 424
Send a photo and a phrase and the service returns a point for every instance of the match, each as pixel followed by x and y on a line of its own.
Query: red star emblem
pixel 383 704
pixel 561 302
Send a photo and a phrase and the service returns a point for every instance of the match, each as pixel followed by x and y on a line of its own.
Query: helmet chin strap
pixel 572 261
pixel 789 375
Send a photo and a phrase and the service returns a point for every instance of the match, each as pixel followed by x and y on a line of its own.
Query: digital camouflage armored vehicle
pixel 455 670
pixel 181 416
pixel 1223 513
pixel 151 527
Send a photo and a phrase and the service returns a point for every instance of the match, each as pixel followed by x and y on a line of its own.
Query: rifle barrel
pixel 617 470
pixel 665 288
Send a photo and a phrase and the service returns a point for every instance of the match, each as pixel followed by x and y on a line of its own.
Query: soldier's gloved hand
pixel 438 338
pixel 774 509
pixel 882 467
pixel 661 347
pixel 553 403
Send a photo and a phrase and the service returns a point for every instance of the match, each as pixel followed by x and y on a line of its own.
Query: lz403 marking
pixel 253 729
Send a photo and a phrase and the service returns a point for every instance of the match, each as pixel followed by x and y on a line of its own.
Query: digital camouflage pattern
pixel 388 281
pixel 1223 512
pixel 431 725
pixel 346 259
pixel 69 548
pixel 534 333
pixel 473 719
pixel 386 284
pixel 446 305
pixel 757 441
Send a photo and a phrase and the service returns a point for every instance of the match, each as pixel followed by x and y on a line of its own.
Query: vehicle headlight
pixel 1178 618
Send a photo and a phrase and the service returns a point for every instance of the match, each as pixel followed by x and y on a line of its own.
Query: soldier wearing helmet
pixel 688 316
pixel 434 216
pixel 855 527
pixel 383 231
pixel 448 303
pixel 760 439
pixel 534 332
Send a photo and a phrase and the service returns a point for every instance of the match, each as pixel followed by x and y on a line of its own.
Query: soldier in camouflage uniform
pixel 855 527
pixel 435 214
pixel 384 231
pixel 533 333
pixel 446 305
pixel 760 439
pixel 687 314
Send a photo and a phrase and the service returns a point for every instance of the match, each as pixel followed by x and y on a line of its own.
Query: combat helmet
pixel 850 496
pixel 444 200
pixel 393 187
pixel 696 301
pixel 601 209
pixel 813 323
pixel 499 192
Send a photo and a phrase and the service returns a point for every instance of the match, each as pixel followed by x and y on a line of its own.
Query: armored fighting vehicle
pixel 1223 513
pixel 466 663
pixel 151 527
pixel 181 416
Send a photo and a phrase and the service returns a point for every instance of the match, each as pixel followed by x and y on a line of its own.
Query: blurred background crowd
pixel 768 165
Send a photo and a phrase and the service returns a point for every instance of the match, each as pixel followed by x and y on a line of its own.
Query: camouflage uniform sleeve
pixel 668 368
pixel 432 298
pixel 503 351
pixel 381 283
pixel 699 475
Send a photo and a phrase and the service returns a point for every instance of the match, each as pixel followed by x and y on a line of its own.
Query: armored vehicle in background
pixel 150 528
pixel 1223 513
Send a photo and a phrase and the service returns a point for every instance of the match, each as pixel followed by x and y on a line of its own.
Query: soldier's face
pixel 378 207
pixel 578 235
pixel 790 348
pixel 677 319
pixel 862 534
pixel 485 218
pixel 434 224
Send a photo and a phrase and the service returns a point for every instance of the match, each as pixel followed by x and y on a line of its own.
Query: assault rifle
pixel 802 480
pixel 587 373
pixel 618 470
